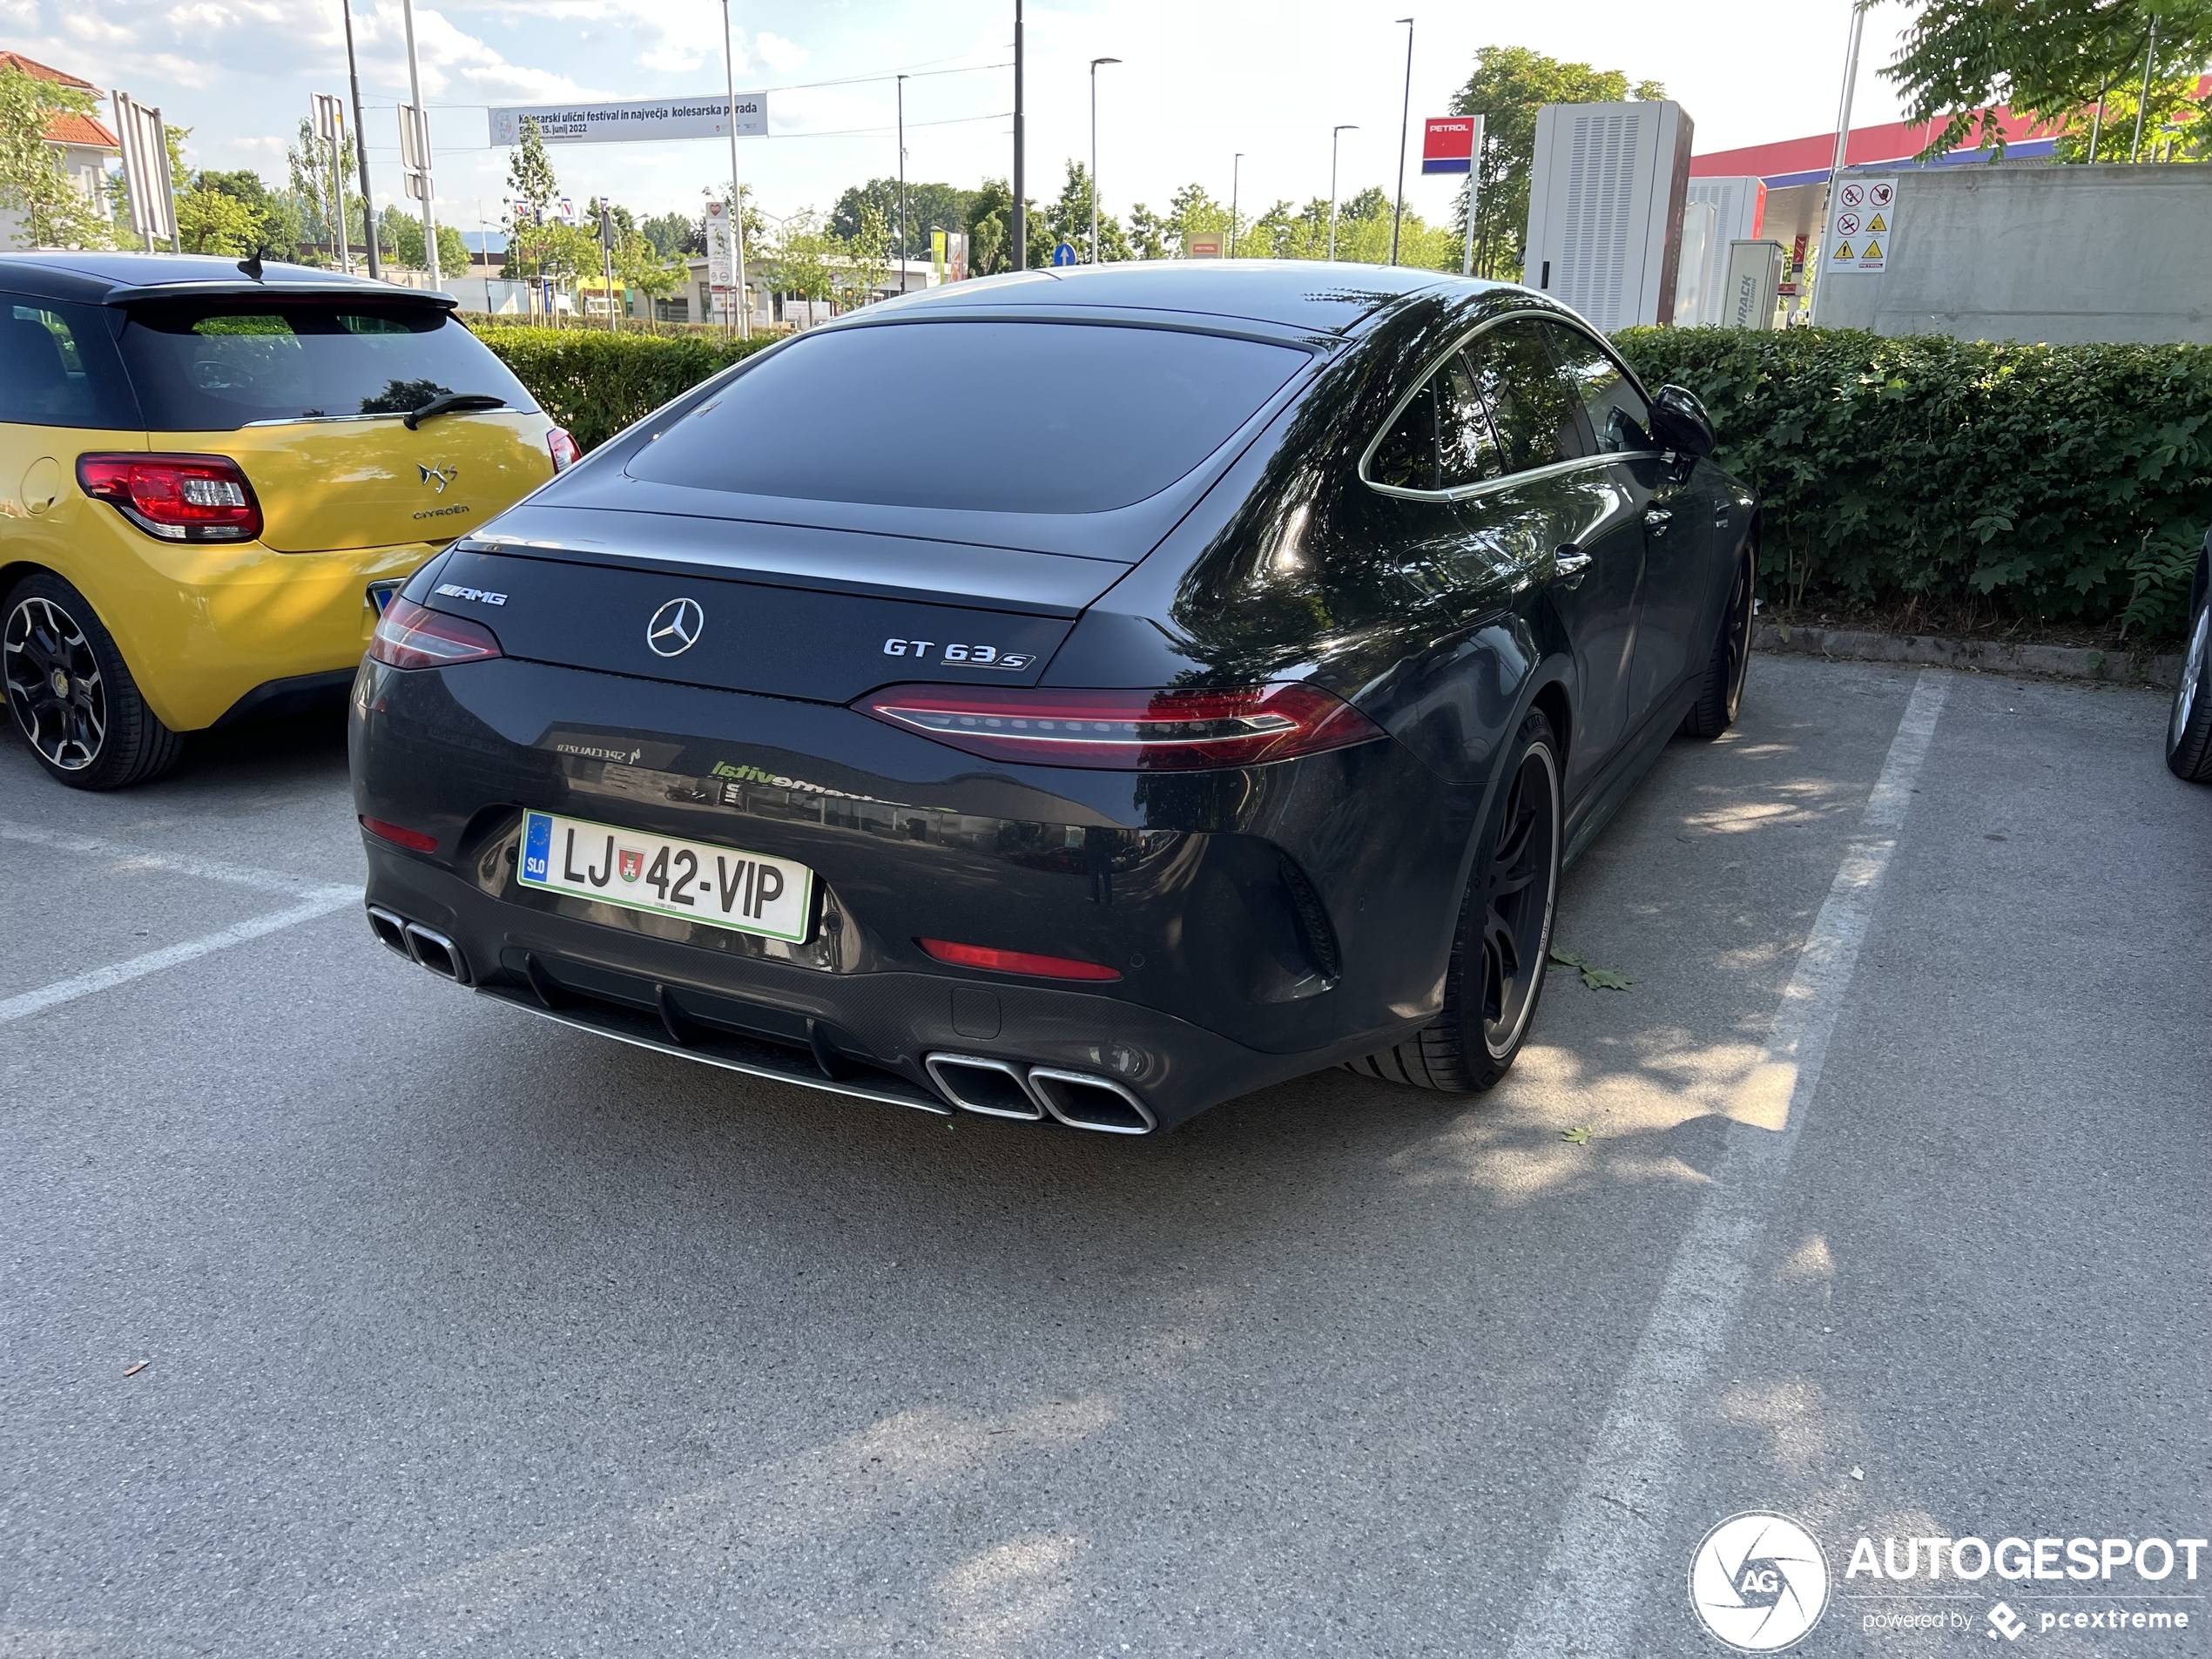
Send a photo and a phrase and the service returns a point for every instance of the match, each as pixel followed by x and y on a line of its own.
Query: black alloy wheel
pixel 74 702
pixel 1720 695
pixel 2189 730
pixel 1498 956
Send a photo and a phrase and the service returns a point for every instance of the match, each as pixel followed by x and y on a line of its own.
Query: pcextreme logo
pixel 1759 1582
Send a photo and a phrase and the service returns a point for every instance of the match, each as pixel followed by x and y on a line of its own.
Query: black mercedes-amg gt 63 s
pixel 1084 695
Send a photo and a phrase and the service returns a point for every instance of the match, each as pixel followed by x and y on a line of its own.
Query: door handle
pixel 1570 564
pixel 1659 517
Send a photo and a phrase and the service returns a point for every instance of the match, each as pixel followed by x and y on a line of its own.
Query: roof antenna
pixel 251 265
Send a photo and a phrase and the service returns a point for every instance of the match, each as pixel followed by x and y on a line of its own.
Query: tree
pixel 399 234
pixel 1068 219
pixel 213 222
pixel 1509 84
pixel 929 207
pixel 674 236
pixel 990 214
pixel 529 174
pixel 2052 59
pixel 866 256
pixel 55 213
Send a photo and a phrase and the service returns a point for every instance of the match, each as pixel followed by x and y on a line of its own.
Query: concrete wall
pixel 2060 255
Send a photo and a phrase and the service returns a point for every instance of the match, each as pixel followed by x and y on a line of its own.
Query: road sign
pixel 1064 254
pixel 1204 245
pixel 652 117
pixel 145 170
pixel 1448 142
pixel 1862 223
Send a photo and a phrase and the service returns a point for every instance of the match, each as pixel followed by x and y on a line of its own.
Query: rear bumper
pixel 866 1034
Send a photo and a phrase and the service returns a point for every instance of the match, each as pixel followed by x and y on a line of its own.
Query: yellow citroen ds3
pixel 212 475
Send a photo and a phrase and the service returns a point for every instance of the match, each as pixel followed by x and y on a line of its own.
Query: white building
pixel 85 142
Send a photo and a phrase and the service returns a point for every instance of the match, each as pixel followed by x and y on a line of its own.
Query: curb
pixel 1988 657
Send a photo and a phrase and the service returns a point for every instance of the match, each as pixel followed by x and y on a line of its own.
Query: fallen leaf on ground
pixel 135 1369
pixel 1578 1136
pixel 1562 957
pixel 1606 979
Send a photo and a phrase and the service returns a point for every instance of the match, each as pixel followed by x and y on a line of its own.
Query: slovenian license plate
pixel 724 886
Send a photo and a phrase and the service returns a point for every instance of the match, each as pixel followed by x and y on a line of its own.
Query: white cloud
pixel 779 54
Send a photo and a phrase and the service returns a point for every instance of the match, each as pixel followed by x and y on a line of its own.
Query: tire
pixel 71 696
pixel 2189 730
pixel 1503 939
pixel 1720 694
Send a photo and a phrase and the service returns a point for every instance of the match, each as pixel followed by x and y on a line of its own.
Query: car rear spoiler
pixel 242 289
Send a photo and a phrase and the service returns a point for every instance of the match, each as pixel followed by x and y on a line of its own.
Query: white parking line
pixel 1588 1603
pixel 139 858
pixel 316 899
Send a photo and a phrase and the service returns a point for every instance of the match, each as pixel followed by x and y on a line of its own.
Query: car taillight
pixel 399 835
pixel 1016 961
pixel 1146 731
pixel 409 636
pixel 566 450
pixel 180 498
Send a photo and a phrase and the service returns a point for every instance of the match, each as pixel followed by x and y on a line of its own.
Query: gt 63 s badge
pixel 970 656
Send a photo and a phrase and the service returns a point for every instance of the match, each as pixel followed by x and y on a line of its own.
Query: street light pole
pixel 422 116
pixel 902 184
pixel 361 149
pixel 736 192
pixel 1095 63
pixel 2142 106
pixel 1841 155
pixel 1405 123
pixel 1020 225
pixel 1236 169
pixel 1349 126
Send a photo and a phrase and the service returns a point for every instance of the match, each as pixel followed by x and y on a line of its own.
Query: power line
pixel 805 86
pixel 841 132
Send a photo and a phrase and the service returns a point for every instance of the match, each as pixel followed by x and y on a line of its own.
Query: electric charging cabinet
pixel 1753 298
pixel 1605 201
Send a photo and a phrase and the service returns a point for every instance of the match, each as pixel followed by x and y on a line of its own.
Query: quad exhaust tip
pixel 422 946
pixel 1004 1088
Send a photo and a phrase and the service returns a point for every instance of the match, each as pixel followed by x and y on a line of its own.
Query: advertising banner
pixel 1448 142
pixel 637 119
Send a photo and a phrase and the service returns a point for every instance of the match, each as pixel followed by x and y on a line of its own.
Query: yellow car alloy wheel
pixel 73 698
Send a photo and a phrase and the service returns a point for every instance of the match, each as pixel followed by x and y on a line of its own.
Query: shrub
pixel 2056 483
pixel 596 384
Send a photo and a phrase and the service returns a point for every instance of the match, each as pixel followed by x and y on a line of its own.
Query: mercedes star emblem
pixel 675 627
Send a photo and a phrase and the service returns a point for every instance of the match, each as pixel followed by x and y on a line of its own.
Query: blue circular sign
pixel 1064 254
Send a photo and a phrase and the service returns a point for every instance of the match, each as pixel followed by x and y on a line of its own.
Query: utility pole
pixel 1235 178
pixel 736 192
pixel 607 255
pixel 361 149
pixel 902 184
pixel 1843 137
pixel 1349 126
pixel 1020 226
pixel 1405 123
pixel 422 146
pixel 2142 106
pixel 1095 63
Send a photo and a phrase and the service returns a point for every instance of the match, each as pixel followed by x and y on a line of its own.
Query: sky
pixel 1200 80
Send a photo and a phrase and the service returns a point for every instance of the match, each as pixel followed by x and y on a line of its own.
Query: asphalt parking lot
pixel 464 1332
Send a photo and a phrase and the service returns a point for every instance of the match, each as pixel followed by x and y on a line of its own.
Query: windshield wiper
pixel 452 403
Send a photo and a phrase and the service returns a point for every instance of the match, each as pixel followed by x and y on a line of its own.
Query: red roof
pixel 1892 141
pixel 65 128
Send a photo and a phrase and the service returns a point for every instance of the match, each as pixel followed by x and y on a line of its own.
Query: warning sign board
pixel 1862 225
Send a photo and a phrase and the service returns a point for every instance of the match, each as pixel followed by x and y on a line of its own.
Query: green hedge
pixel 596 384
pixel 2056 483
pixel 2053 483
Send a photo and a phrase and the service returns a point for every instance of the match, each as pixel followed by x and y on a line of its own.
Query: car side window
pixel 1535 413
pixel 1406 458
pixel 58 366
pixel 1620 421
pixel 1467 450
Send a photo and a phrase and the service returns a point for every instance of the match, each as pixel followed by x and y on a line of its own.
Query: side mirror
pixel 1679 421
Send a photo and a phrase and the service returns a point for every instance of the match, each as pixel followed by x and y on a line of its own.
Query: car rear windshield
pixel 201 366
pixel 1008 417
